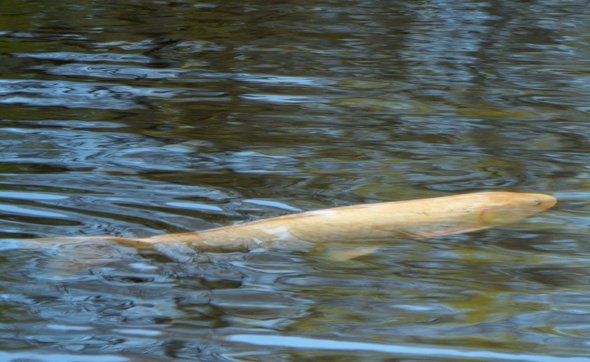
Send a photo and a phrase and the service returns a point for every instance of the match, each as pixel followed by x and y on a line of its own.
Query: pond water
pixel 145 117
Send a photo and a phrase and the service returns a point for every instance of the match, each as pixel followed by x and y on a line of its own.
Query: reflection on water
pixel 161 116
pixel 429 352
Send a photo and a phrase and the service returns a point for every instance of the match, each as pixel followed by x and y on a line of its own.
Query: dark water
pixel 141 117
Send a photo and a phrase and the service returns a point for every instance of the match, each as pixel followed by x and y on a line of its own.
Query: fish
pixel 362 226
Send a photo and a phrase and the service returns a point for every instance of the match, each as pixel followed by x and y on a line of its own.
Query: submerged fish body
pixel 366 224
pixel 413 219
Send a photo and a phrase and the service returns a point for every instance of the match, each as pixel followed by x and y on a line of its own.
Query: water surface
pixel 149 117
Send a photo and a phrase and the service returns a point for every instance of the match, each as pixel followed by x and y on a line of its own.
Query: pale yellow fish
pixel 362 225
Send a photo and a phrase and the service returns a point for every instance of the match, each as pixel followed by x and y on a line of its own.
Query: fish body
pixel 360 229
pixel 368 223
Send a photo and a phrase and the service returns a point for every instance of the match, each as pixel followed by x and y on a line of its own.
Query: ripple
pixel 49 357
pixel 76 94
pixel 404 350
pixel 30 196
pixel 112 71
pixel 286 99
pixel 254 162
pixel 272 204
pixel 194 206
pixel 87 57
pixel 31 212
pixel 281 80
pixel 89 149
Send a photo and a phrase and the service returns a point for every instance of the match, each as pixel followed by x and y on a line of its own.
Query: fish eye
pixel 537 202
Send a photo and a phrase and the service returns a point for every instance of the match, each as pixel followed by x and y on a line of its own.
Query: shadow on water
pixel 166 116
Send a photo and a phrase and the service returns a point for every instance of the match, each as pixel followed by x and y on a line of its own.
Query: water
pixel 145 117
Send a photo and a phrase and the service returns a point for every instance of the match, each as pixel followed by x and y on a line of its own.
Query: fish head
pixel 508 207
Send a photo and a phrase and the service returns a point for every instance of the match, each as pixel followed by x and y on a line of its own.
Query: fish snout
pixel 516 207
pixel 545 202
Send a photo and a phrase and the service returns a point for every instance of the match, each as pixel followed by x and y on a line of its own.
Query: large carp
pixel 358 225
